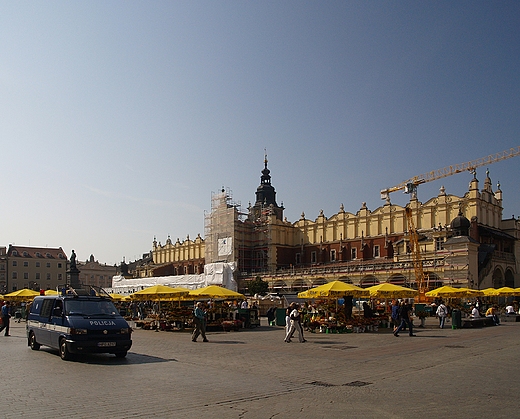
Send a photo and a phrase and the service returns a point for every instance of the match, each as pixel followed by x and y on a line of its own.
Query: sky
pixel 119 119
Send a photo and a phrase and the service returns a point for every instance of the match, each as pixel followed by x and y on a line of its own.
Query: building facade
pixel 94 273
pixel 365 248
pixel 35 268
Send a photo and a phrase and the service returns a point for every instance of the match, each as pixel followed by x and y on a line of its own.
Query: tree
pixel 258 286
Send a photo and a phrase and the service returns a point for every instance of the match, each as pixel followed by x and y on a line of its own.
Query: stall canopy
pixel 334 289
pixel 218 273
pixel 388 290
pixel 216 292
pixel 21 295
pixel 160 293
pixel 452 292
pixel 506 292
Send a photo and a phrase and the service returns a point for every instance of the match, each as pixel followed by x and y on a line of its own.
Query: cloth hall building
pixel 463 241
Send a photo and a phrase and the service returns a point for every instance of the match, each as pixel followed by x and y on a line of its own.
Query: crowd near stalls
pixel 335 307
pixel 171 309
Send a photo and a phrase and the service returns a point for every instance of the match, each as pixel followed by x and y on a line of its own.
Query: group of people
pixel 402 312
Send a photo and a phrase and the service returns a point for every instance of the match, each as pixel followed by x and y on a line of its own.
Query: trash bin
pixel 280 316
pixel 243 314
pixel 456 319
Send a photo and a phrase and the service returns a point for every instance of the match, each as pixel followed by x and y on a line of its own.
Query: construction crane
pixel 416 254
pixel 410 186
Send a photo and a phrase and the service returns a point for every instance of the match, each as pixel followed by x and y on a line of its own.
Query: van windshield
pixel 90 308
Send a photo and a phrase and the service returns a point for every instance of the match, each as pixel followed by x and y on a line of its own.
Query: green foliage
pixel 258 286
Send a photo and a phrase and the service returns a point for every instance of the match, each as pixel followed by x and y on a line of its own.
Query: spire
pixel 266 194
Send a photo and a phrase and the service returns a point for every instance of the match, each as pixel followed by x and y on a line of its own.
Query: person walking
pixel 442 312
pixel 295 324
pixel 6 315
pixel 396 321
pixel 199 321
pixel 405 313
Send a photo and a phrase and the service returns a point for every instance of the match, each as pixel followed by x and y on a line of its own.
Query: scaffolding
pixel 220 227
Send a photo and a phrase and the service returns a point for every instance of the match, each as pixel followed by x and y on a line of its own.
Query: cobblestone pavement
pixel 468 373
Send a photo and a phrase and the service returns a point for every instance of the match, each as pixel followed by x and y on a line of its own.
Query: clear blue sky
pixel 119 118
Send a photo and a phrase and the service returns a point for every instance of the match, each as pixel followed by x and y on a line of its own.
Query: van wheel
pixel 120 354
pixel 64 352
pixel 32 342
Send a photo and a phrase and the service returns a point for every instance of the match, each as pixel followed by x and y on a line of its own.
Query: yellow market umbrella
pixel 448 292
pixel 21 295
pixel 51 292
pixel 117 297
pixel 304 294
pixel 334 289
pixel 470 292
pixel 388 290
pixel 159 293
pixel 216 292
pixel 506 292
pixel 490 292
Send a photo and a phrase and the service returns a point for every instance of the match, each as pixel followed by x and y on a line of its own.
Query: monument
pixel 73 272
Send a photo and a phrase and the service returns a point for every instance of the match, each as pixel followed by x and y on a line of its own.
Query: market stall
pixel 322 312
pixel 223 310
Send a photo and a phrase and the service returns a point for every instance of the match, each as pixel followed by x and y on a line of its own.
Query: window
pixel 48 276
pixel 313 257
pixel 439 241
pixel 37 276
pixel 25 264
pixel 15 263
pixel 37 264
pixel 333 255
pixel 25 254
pixel 26 275
pixel 298 258
pixel 376 251
pixel 46 308
pixel 14 275
pixel 59 277
pixel 354 253
pixel 15 253
pixel 38 254
pixel 59 265
pixel 48 264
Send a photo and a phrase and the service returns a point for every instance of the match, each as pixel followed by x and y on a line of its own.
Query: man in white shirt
pixel 442 312
pixel 474 312
pixel 510 310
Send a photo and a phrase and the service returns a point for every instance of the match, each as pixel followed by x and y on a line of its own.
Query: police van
pixel 78 321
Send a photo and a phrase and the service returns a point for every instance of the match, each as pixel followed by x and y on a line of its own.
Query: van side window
pixel 58 309
pixel 35 307
pixel 47 308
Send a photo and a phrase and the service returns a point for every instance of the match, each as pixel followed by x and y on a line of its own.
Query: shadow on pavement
pixel 109 359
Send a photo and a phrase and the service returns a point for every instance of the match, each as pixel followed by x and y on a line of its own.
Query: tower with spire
pixel 265 203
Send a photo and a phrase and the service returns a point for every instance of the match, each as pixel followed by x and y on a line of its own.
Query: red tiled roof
pixel 36 252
